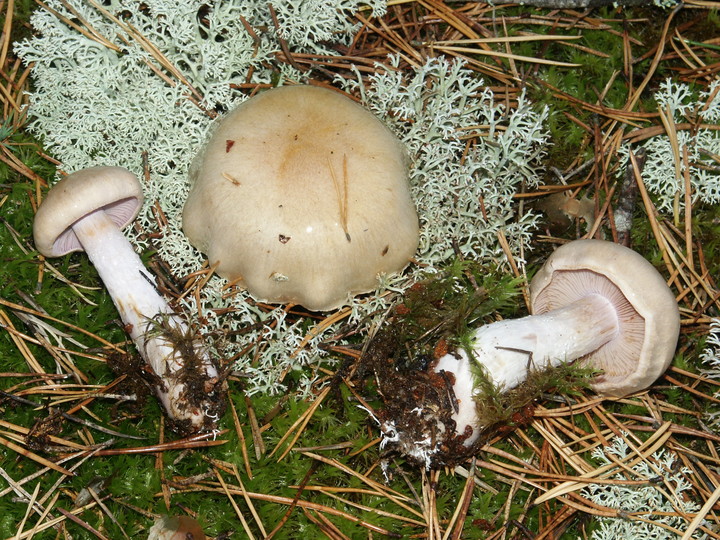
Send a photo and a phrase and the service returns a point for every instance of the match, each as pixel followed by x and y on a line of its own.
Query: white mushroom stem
pixel 148 319
pixel 508 349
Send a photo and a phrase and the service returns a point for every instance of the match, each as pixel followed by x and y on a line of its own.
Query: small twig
pixel 627 198
pixel 84 525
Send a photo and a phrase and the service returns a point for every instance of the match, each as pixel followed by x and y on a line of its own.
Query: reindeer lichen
pixel 657 509
pixel 463 192
pixel 695 118
pixel 711 358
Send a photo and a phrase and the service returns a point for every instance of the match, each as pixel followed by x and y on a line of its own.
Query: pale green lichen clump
pixel 461 195
pixel 660 509
pixel 97 103
pixel 711 358
pixel 660 174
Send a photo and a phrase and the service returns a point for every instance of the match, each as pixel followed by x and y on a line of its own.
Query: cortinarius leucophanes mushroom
pixel 302 196
pixel 86 211
pixel 593 301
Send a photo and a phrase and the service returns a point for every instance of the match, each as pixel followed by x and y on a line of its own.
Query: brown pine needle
pixel 504 39
pixel 455 526
pixel 183 444
pixel 238 512
pixel 71 326
pixel 498 54
pixel 35 457
pixel 380 489
pixel 300 425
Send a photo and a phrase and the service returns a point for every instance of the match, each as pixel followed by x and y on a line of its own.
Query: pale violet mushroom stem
pixel 86 211
pixel 507 350
pixel 150 321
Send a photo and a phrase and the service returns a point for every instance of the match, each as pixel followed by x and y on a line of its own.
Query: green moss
pixel 499 408
pixel 449 305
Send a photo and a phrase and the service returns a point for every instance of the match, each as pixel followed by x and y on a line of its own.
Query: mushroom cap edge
pixel 113 189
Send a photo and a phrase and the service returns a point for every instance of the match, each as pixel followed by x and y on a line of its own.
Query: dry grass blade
pixel 498 54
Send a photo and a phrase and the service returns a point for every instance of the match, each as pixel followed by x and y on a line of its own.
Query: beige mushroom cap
pixel 648 313
pixel 302 196
pixel 114 190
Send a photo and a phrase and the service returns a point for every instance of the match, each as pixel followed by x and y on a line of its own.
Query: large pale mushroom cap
pixel 302 196
pixel 648 314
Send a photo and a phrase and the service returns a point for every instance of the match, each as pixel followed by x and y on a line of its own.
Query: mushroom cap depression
pixel 301 196
pixel 648 314
pixel 114 190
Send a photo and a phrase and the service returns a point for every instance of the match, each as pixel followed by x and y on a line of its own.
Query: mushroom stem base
pixel 187 380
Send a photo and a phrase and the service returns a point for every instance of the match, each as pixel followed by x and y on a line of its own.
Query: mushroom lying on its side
pixel 86 211
pixel 593 301
pixel 302 196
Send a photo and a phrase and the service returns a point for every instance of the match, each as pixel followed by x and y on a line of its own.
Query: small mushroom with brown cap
pixel 86 211
pixel 301 195
pixel 593 301
pixel 176 528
